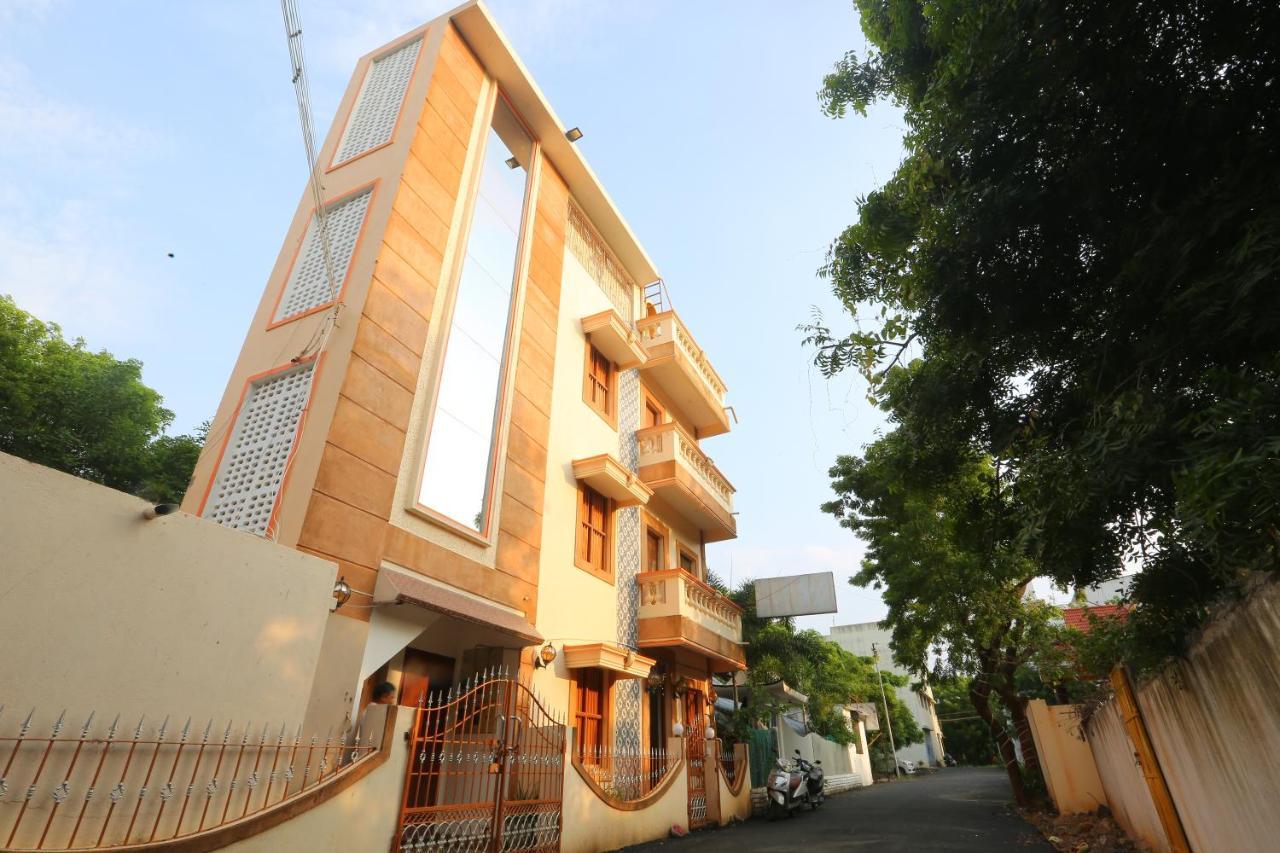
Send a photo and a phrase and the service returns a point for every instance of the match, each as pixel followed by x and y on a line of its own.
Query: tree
pixel 85 412
pixel 967 737
pixel 1083 245
pixel 940 544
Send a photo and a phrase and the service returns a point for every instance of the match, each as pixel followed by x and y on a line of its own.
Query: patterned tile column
pixel 627 694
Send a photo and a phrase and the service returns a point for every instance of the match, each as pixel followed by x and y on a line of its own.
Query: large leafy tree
pixel 941 547
pixel 86 413
pixel 1082 245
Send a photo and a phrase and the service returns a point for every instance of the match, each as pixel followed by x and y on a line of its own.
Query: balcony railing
pixel 679 366
pixel 676 469
pixel 678 610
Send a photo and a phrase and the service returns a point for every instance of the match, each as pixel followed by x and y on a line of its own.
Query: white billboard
pixel 796 595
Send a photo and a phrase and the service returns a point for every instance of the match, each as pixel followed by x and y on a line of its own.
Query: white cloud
pixel 11 10
pixel 65 172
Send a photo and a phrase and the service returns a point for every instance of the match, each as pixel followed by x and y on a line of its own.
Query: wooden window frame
pixel 651 402
pixel 608 412
pixel 605 739
pixel 682 551
pixel 650 530
pixel 605 573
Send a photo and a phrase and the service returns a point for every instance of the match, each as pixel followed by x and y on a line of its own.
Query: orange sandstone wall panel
pixel 347 518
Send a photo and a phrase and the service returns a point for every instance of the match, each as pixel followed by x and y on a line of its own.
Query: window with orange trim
pixel 598 384
pixel 688 562
pixel 595 526
pixel 591 715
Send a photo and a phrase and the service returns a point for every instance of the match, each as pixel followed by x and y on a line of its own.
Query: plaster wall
pixel 577 607
pixel 363 817
pixel 1215 729
pixel 1121 778
pixel 1069 769
pixel 592 825
pixel 176 615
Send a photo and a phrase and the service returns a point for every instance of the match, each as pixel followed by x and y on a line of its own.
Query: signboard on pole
pixel 796 595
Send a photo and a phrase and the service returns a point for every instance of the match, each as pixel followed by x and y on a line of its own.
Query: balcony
pixel 679 611
pixel 678 366
pixel 682 477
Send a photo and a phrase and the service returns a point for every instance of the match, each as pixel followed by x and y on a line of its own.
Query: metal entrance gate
pixel 486 771
pixel 696 761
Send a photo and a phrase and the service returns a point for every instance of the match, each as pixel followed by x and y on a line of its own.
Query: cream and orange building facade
pixel 475 399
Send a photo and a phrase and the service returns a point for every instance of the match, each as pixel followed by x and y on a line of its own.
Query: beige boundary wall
pixel 1069 769
pixel 843 766
pixel 103 610
pixel 1214 723
pixel 362 817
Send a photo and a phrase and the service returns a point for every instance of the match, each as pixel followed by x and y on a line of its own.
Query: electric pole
pixel 875 656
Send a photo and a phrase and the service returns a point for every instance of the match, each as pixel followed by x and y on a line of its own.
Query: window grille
pixel 248 480
pixel 594 255
pixel 373 118
pixel 308 286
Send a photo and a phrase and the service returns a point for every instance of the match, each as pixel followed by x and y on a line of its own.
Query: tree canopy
pixel 86 413
pixel 1082 249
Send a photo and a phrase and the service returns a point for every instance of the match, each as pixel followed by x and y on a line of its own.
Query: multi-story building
pixel 475 397
pixel 866 638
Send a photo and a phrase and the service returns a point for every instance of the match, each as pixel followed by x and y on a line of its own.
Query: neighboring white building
pixel 859 639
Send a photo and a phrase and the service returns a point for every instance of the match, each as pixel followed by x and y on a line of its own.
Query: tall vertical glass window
pixel 459 452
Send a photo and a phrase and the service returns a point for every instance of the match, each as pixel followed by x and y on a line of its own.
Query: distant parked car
pixel 907 767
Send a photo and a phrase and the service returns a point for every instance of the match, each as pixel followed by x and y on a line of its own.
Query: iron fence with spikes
pixel 102 785
pixel 626 774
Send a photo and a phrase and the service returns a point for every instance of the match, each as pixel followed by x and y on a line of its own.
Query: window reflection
pixel 455 479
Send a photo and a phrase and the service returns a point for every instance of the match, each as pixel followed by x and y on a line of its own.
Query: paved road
pixel 958 809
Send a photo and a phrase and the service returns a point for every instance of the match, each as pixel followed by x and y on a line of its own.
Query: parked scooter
pixel 792 785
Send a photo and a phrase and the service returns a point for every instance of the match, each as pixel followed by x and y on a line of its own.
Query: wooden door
pixel 423 673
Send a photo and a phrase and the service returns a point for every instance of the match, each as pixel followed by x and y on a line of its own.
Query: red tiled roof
pixel 1078 617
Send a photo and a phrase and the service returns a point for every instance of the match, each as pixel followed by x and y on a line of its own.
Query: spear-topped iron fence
pixel 103 783
pixel 626 774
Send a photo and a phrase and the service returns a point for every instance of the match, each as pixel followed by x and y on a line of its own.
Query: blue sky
pixel 136 129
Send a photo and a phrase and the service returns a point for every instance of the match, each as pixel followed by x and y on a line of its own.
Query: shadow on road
pixel 964 809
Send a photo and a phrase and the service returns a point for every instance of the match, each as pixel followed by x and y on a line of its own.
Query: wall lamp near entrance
pixel 341 592
pixel 546 656
pixel 159 510
pixel 573 134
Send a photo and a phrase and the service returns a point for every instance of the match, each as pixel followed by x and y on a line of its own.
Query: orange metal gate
pixel 486 771
pixel 696 760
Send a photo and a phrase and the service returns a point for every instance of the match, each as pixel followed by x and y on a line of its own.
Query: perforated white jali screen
pixel 248 481
pixel 373 118
pixel 308 286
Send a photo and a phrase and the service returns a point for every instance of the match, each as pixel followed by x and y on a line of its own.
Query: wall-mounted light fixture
pixel 341 592
pixel 573 134
pixel 546 656
pixel 512 163
pixel 159 510
pixel 656 680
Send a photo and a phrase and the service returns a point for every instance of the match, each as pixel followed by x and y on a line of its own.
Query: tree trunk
pixel 980 698
pixel 1017 706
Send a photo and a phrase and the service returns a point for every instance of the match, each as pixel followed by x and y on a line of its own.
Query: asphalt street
pixel 956 809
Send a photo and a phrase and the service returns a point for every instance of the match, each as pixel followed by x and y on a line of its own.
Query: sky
pixel 137 129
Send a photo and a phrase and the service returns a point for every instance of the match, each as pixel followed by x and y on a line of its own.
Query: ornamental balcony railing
pixel 681 475
pixel 678 366
pixel 679 611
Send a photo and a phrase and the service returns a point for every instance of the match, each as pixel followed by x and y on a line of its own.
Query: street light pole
pixel 875 656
